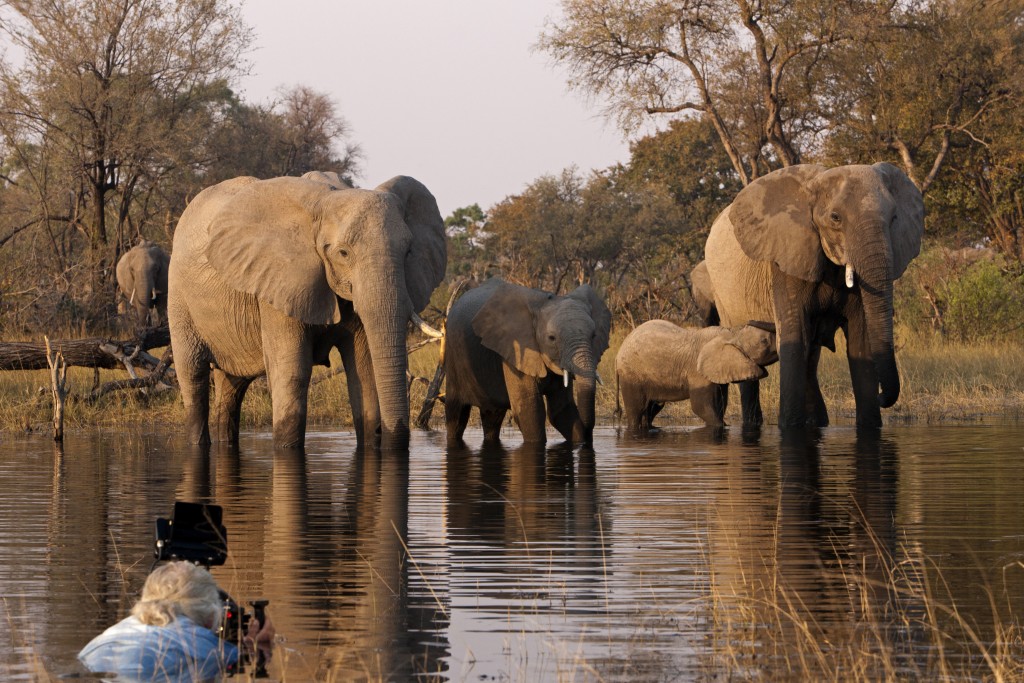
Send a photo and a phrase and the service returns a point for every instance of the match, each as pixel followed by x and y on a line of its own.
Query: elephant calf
pixel 514 348
pixel 660 362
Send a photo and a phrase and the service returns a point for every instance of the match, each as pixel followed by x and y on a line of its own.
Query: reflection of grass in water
pixel 901 623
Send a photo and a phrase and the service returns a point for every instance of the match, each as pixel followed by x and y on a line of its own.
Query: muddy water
pixel 687 556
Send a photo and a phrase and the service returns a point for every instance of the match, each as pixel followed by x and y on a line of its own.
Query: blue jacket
pixel 180 651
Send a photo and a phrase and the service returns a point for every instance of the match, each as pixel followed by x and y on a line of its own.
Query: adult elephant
pixel 142 279
pixel 267 276
pixel 815 249
pixel 511 347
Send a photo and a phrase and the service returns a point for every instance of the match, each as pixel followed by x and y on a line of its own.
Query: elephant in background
pixel 142 279
pixel 509 347
pixel 815 249
pixel 267 276
pixel 660 362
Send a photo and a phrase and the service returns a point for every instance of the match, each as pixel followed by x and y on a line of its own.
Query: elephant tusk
pixel 599 380
pixel 565 378
pixel 849 276
pixel 425 328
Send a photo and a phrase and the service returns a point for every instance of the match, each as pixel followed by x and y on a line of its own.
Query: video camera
pixel 195 533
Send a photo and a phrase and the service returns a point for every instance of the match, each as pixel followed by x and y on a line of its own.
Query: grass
pixel 940 382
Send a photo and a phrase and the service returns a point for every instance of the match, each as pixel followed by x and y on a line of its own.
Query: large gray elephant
pixel 816 249
pixel 509 347
pixel 142 279
pixel 267 276
pixel 660 362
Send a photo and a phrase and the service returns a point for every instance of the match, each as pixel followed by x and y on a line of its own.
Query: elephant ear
pixel 722 362
pixel 261 243
pixel 907 230
pixel 600 313
pixel 771 219
pixel 507 325
pixel 426 263
pixel 329 178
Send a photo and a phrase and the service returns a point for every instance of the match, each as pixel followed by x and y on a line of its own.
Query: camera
pixel 195 533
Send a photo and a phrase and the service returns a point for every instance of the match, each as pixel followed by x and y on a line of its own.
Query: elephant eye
pixel 835 217
pixel 551 337
pixel 343 252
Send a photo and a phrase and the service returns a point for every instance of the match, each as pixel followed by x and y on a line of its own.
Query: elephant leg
pixel 227 405
pixel 362 385
pixel 563 414
pixel 814 402
pixel 863 374
pixel 651 411
pixel 707 403
pixel 634 407
pixel 288 358
pixel 750 402
pixel 456 417
pixel 193 370
pixel 790 297
pixel 492 420
pixel 527 404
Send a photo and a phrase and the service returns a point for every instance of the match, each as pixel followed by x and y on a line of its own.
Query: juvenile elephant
pixel 267 276
pixel 142 279
pixel 514 348
pixel 814 249
pixel 660 362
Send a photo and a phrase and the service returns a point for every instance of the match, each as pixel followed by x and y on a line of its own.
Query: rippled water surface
pixel 691 555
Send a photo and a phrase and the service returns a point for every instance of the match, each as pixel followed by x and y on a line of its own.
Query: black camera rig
pixel 196 533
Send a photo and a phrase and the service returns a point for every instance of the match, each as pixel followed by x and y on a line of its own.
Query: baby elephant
pixel 509 347
pixel 660 362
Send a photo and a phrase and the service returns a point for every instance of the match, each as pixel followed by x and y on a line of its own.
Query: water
pixel 692 555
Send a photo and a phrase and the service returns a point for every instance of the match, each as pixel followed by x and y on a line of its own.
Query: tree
pixel 110 99
pixel 746 67
pixel 299 132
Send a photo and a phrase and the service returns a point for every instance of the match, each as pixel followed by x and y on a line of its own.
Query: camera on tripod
pixel 195 533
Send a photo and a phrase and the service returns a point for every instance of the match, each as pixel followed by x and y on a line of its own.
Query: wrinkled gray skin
pixel 660 362
pixel 779 252
pixel 508 347
pixel 703 294
pixel 142 279
pixel 267 276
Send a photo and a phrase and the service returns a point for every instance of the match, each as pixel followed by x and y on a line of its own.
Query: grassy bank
pixel 941 382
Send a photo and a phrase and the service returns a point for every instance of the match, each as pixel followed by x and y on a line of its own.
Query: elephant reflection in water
pixel 805 552
pixel 336 572
pixel 511 511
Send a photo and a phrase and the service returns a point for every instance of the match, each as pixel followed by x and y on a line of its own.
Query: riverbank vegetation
pixel 105 134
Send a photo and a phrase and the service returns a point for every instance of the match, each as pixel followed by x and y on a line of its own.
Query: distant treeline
pixel 108 128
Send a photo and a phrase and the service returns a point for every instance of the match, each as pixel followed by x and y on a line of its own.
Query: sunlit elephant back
pixel 142 280
pixel 815 249
pixel 267 276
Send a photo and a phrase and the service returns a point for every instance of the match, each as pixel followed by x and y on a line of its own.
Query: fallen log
pixel 85 353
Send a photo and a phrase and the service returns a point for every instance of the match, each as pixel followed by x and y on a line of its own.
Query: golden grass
pixel 941 382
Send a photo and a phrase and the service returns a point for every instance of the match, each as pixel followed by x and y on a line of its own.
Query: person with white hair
pixel 171 633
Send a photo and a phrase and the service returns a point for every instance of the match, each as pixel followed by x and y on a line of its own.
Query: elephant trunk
pixel 580 362
pixel 874 271
pixel 385 319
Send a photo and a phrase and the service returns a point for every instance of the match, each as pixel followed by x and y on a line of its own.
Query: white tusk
pixel 599 380
pixel 849 276
pixel 425 328
pixel 565 378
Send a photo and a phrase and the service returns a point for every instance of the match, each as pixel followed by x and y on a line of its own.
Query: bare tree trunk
pixel 59 386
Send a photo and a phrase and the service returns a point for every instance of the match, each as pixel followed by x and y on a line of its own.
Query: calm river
pixel 692 555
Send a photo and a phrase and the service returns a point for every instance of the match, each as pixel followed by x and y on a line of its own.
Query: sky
pixel 451 92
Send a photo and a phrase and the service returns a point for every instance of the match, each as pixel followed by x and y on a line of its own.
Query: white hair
pixel 179 589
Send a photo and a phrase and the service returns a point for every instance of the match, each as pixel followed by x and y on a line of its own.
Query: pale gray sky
pixel 448 91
